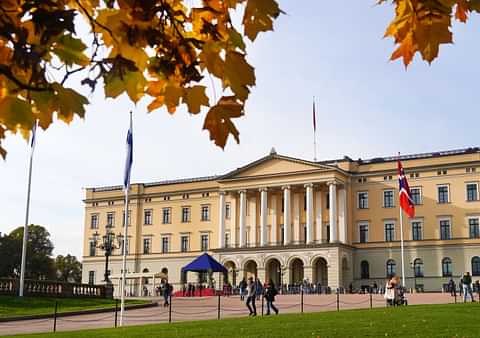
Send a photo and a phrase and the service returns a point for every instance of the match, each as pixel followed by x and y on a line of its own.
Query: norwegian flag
pixel 405 197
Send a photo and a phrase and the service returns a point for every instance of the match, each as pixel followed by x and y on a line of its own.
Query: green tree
pixel 68 269
pixel 157 49
pixel 39 263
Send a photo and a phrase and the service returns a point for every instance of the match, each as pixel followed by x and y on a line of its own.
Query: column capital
pixel 308 185
pixel 263 189
pixel 221 192
pixel 242 191
pixel 286 187
pixel 329 183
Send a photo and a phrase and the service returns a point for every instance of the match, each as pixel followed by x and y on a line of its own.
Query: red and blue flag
pixel 405 197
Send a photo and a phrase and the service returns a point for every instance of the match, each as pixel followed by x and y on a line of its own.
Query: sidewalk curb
pixel 77 313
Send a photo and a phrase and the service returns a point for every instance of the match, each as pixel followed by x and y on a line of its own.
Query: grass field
pixel 14 306
pixel 453 320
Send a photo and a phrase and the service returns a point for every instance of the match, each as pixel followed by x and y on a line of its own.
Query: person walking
pixel 167 291
pixel 270 293
pixel 467 286
pixel 390 291
pixel 242 287
pixel 452 287
pixel 258 288
pixel 251 297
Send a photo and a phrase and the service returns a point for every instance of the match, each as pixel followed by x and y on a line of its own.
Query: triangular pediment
pixel 276 165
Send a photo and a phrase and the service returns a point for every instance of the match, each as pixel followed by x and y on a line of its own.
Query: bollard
pixel 371 303
pixel 338 301
pixel 455 295
pixel 301 301
pixel 218 307
pixel 55 317
pixel 170 310
pixel 263 301
pixel 116 312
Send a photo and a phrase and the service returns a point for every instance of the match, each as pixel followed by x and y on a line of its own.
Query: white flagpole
pixel 27 214
pixel 126 187
pixel 314 132
pixel 124 259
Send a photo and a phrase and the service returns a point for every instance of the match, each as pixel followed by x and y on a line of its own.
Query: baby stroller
pixel 401 298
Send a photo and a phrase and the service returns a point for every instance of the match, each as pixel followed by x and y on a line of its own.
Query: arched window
pixel 446 267
pixel 476 266
pixel 418 267
pixel 364 270
pixel 391 268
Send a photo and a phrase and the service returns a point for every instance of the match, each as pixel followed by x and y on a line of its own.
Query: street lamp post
pixel 108 246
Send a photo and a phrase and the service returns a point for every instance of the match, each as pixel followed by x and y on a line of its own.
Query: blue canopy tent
pixel 204 263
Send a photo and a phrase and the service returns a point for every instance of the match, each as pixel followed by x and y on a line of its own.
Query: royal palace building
pixel 333 223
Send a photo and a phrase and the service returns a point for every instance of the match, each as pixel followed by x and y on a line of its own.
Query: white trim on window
pixel 393 198
pixel 359 225
pixel 448 193
pixel 466 191
pixel 358 199
pixel 390 221
pixel 420 188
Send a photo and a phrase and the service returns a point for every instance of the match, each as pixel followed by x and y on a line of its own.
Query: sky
pixel 366 107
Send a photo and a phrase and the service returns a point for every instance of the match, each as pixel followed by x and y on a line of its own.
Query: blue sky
pixel 366 107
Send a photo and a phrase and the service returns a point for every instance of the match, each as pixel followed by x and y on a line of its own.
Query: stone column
pixel 221 219
pixel 263 216
pixel 318 217
pixel 253 220
pixel 333 211
pixel 296 218
pixel 309 234
pixel 273 234
pixel 287 222
pixel 342 215
pixel 242 217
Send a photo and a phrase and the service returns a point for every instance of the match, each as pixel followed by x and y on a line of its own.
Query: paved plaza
pixel 198 308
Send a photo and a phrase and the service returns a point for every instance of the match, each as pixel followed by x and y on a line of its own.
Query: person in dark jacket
pixel 452 287
pixel 467 286
pixel 251 289
pixel 270 293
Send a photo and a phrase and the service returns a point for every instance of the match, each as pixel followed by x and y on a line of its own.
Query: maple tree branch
pixel 5 71
pixel 94 22
pixel 70 72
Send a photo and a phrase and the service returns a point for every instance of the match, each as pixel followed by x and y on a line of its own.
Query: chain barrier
pixel 321 305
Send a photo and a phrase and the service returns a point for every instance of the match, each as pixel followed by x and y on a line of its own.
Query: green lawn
pixel 11 306
pixel 454 320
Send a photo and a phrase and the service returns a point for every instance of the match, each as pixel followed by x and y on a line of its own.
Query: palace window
pixel 472 192
pixel 184 243
pixel 476 266
pixel 227 211
pixel 205 213
pixel 227 240
pixel 474 228
pixel 165 244
pixel 363 200
pixel 91 277
pixel 416 194
pixel 147 216
pixel 128 218
pixel 92 249
pixel 364 270
pixel 363 231
pixel 204 242
pixel 166 215
pixel 147 243
pixel 445 229
pixel 443 194
pixel 389 232
pixel 446 267
pixel 418 267
pixel 388 200
pixel 110 219
pixel 185 214
pixel 391 268
pixel 417 231
pixel 94 221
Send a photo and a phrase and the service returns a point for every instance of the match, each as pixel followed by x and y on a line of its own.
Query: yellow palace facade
pixel 332 223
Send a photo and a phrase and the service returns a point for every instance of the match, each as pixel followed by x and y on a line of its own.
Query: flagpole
pixel 124 259
pixel 314 132
pixel 27 215
pixel 126 187
pixel 402 250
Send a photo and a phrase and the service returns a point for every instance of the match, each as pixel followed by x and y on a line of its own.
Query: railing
pixel 10 286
